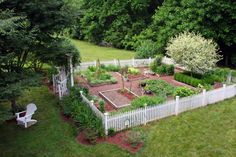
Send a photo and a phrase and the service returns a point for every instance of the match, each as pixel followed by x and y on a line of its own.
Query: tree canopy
pixel 30 35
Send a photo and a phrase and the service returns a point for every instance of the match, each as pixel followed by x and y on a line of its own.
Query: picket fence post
pixel 81 92
pixel 176 105
pixel 95 63
pixel 149 61
pixel 105 123
pixel 133 62
pixel 204 97
pixel 145 114
pixel 114 62
pixel 224 91
pixel 59 91
pixel 92 102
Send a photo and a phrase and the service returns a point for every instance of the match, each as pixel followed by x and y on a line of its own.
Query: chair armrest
pixel 29 115
pixel 18 114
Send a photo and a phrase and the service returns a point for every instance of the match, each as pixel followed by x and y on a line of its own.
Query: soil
pixel 127 94
pixel 118 139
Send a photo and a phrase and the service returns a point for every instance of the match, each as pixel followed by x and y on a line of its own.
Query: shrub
pixel 81 114
pixel 156 63
pixel 134 138
pixel 133 71
pixel 111 132
pixel 197 54
pixel 139 102
pixel 91 135
pixel 146 49
pixel 183 92
pixel 102 106
pixel 181 77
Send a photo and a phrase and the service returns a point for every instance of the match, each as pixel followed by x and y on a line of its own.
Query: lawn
pixel 209 131
pixel 91 52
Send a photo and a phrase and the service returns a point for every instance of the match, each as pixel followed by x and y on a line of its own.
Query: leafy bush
pixel 81 113
pixel 157 62
pixel 111 132
pixel 101 106
pixel 181 77
pixel 139 102
pixel 146 49
pixel 91 135
pixel 134 138
pixel 159 87
pixel 183 92
pixel 197 54
pixel 133 71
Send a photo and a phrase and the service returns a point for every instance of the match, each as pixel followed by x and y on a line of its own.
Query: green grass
pixel 205 132
pixel 91 52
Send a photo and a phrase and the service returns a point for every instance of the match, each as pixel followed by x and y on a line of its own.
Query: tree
pixel 30 35
pixel 116 22
pixel 192 51
pixel 213 19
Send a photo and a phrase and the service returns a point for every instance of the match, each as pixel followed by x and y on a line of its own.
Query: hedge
pixel 187 79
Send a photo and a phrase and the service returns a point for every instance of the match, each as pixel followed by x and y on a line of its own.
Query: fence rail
pixel 130 62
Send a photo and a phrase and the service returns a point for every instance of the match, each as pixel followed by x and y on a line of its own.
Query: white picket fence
pixel 144 115
pixel 90 104
pixel 131 62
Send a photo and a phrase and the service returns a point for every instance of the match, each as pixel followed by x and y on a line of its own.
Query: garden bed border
pixel 105 97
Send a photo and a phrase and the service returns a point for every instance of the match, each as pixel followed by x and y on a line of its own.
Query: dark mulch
pixel 119 139
pixel 127 94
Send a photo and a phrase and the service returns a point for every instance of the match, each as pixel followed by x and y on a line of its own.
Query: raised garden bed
pixel 118 98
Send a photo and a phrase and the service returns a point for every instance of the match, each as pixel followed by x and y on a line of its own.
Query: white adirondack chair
pixel 26 120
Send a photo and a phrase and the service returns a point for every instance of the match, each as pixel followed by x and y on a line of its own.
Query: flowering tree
pixel 194 52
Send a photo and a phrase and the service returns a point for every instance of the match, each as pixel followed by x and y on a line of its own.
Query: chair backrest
pixel 30 109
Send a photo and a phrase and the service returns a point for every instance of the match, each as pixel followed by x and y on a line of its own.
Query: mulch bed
pixel 118 139
pixel 127 94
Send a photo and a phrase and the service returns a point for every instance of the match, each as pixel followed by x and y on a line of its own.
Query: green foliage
pixel 115 22
pixel 113 68
pixel 165 69
pixel 29 37
pixel 82 114
pixel 150 101
pixel 101 106
pixel 146 49
pixel 91 135
pixel 134 138
pixel 133 71
pixel 183 92
pixel 159 87
pixel 156 63
pixel 197 54
pixel 181 77
pixel 176 16
pixel 5 114
pixel 111 132
pixel 103 77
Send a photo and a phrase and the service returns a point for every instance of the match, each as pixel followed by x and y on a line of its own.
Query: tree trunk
pixel 13 106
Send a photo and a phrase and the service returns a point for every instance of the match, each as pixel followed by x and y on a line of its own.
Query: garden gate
pixel 60 83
